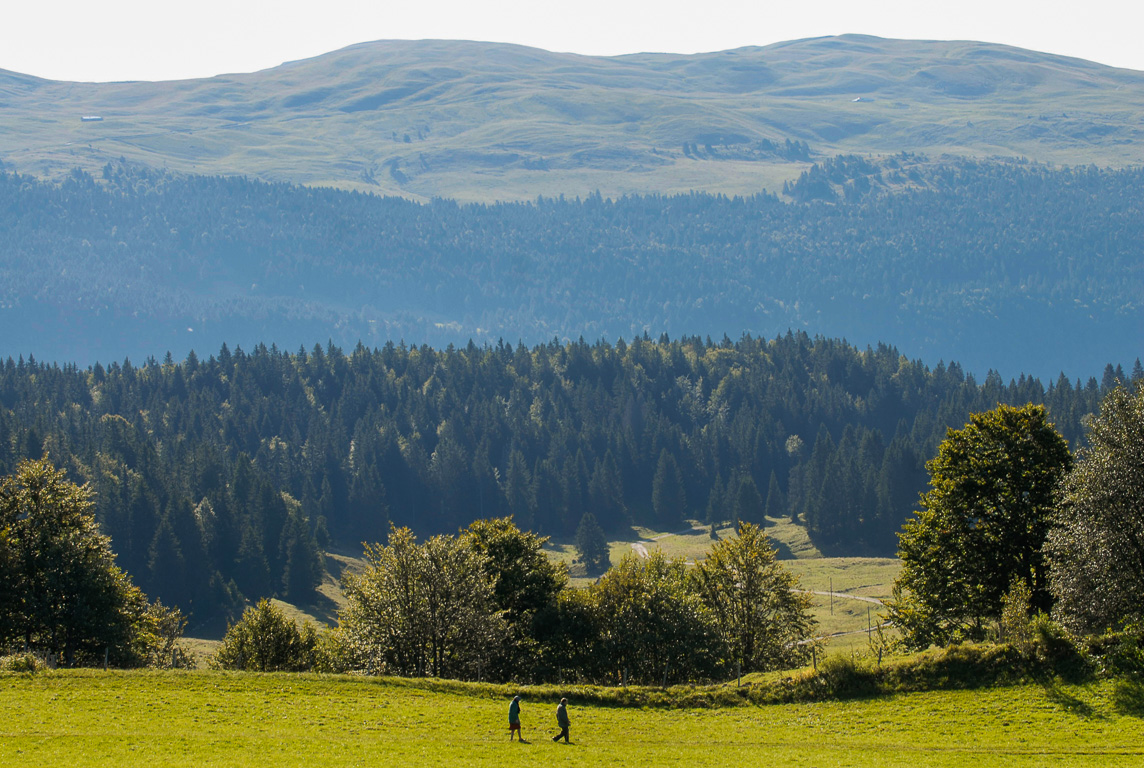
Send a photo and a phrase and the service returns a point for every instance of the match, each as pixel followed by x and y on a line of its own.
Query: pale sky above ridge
pixel 175 39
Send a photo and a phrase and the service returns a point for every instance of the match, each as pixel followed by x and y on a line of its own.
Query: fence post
pixel 106 653
pixel 738 672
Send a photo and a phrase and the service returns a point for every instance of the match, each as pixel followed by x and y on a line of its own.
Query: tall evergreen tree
pixel 667 493
pixel 592 545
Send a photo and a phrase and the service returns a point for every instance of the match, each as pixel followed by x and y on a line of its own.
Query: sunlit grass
pixel 83 719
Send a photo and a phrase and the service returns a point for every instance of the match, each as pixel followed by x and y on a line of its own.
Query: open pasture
pixel 90 718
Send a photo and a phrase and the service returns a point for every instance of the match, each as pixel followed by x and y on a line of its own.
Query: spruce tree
pixel 667 496
pixel 592 545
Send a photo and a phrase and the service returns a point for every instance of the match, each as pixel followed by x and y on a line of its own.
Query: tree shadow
pixel 323 607
pixel 1067 701
pixel 1128 698
pixel 782 551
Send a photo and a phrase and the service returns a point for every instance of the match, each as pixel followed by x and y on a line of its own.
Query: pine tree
pixel 716 502
pixel 776 501
pixel 592 545
pixel 746 501
pixel 667 495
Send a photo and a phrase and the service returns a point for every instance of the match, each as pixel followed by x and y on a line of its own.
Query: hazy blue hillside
pixel 479 121
pixel 1018 268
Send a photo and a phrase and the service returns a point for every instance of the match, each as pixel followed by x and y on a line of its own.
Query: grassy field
pixel 84 718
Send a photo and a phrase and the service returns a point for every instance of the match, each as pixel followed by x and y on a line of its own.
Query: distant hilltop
pixel 484 121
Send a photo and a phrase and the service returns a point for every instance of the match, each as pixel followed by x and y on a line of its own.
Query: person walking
pixel 514 720
pixel 563 721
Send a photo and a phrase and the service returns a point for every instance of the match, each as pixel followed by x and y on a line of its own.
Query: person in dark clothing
pixel 563 721
pixel 514 720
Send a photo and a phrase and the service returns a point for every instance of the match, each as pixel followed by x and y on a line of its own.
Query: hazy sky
pixel 169 39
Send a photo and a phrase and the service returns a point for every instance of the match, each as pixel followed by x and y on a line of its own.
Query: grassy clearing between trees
pixel 93 718
pixel 860 576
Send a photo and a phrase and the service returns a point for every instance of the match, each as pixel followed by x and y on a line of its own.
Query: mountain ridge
pixel 492 121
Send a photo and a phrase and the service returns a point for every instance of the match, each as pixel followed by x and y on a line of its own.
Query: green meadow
pixel 94 718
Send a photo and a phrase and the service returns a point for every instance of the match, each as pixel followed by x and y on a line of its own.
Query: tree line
pixel 1013 526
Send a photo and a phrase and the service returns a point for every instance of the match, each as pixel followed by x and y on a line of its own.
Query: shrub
pixel 842 676
pixel 1119 653
pixel 1056 651
pixel 158 636
pixel 23 662
pixel 266 640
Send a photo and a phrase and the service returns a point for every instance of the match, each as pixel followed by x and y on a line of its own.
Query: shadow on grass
pixel 323 608
pixel 782 551
pixel 1128 698
pixel 1067 701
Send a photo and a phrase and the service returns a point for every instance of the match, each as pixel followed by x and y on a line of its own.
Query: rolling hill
pixel 480 121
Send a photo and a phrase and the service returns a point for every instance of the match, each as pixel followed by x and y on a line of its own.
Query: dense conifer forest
pixel 222 479
pixel 1017 267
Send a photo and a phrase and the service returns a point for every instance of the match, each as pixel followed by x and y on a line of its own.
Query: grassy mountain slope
pixel 482 121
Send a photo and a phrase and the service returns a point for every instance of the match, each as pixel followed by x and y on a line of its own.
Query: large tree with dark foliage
pixel 63 594
pixel 526 589
pixel 982 524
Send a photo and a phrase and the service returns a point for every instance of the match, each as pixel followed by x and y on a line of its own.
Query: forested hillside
pixel 221 478
pixel 1005 266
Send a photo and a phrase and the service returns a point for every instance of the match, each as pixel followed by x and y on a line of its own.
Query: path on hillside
pixel 873 600
pixel 640 548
